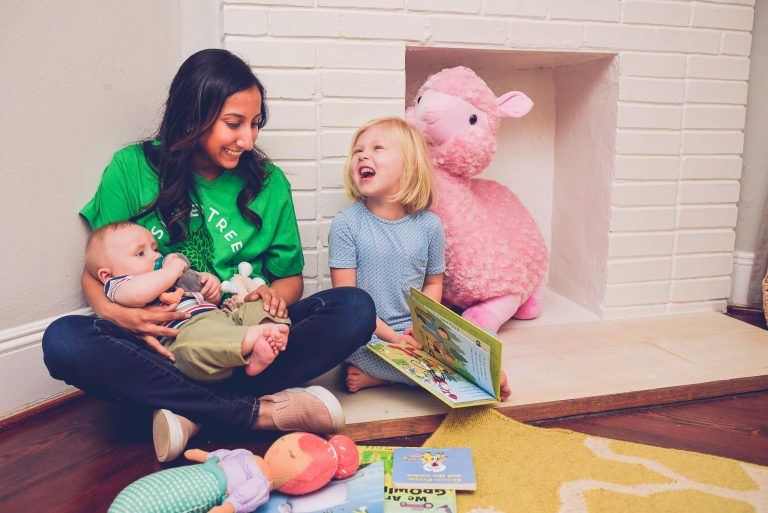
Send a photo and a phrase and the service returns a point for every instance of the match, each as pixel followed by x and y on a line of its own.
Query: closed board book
pixel 411 499
pixel 459 363
pixel 429 467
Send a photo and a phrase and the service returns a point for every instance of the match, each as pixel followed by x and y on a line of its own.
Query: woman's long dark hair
pixel 197 94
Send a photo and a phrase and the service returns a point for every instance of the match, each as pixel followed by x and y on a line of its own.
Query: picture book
pixel 361 493
pixel 434 468
pixel 459 363
pixel 411 499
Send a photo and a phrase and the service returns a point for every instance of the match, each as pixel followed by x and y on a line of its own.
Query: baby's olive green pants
pixel 209 346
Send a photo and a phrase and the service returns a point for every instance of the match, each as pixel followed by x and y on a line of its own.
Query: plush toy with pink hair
pixel 495 254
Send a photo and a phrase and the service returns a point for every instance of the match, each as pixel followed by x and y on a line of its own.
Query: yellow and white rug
pixel 522 468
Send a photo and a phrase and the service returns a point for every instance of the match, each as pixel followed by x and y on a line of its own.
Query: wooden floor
pixel 77 456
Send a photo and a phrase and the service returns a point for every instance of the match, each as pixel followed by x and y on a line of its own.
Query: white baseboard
pixel 24 379
pixel 742 270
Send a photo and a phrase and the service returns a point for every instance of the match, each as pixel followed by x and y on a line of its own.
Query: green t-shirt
pixel 219 237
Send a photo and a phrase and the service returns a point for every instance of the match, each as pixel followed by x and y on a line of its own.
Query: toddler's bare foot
pixel 505 391
pixel 263 342
pixel 358 380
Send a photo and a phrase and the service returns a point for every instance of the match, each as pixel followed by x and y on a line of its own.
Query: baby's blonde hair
pixel 417 183
pixel 95 246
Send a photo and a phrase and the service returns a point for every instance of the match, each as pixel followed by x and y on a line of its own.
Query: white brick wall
pixel 604 10
pixel 722 16
pixel 646 168
pixel 653 90
pixel 522 8
pixel 331 65
pixel 711 167
pixel 736 43
pixel 467 30
pixel 716 91
pixel 652 65
pixel 639 269
pixel 656 13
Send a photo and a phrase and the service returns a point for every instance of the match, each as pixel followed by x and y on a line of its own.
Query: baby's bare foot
pixel 358 380
pixel 261 356
pixel 263 342
pixel 278 336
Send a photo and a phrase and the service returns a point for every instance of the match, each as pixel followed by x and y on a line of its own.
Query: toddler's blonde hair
pixel 417 182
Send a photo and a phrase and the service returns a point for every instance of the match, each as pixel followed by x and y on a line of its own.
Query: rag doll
pixel 495 254
pixel 237 481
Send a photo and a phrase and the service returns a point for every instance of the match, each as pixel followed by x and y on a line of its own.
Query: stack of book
pixel 390 480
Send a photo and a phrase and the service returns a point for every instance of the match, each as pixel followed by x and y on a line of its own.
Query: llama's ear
pixel 513 104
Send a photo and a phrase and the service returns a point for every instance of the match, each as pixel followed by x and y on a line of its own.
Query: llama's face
pixel 460 136
pixel 442 118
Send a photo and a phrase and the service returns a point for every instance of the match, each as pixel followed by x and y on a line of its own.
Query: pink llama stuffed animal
pixel 495 254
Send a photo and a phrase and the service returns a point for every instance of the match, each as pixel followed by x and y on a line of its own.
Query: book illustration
pixel 433 461
pixel 361 493
pixel 411 499
pixel 422 368
pixel 438 341
pixel 458 362
pixel 463 353
pixel 435 468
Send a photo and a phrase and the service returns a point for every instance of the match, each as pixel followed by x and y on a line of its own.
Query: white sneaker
pixel 170 434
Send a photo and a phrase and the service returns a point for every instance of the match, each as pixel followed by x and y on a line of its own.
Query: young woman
pixel 202 188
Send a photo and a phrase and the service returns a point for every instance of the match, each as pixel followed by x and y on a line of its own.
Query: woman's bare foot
pixel 263 342
pixel 505 391
pixel 358 380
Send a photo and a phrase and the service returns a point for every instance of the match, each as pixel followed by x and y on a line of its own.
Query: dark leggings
pixel 106 360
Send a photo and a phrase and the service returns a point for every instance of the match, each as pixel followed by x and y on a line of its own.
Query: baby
pixel 211 344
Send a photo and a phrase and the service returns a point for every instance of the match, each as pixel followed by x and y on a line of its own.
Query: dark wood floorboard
pixel 733 427
pixel 77 456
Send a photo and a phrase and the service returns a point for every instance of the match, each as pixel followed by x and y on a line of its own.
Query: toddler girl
pixel 387 242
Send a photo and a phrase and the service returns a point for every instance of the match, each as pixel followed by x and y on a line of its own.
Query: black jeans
pixel 106 360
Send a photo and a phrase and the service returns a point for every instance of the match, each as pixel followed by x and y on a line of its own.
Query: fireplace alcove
pixel 558 159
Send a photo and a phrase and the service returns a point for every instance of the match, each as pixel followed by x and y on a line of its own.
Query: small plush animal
pixel 237 481
pixel 240 286
pixel 188 284
pixel 495 254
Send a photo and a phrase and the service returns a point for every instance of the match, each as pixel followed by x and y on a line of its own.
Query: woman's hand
pixel 273 303
pixel 142 321
pixel 211 288
pixel 145 322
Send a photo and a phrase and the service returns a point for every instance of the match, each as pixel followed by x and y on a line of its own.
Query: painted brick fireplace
pixel 629 161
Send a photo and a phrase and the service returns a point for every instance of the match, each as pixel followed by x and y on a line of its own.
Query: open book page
pixel 459 344
pixel 459 363
pixel 432 374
